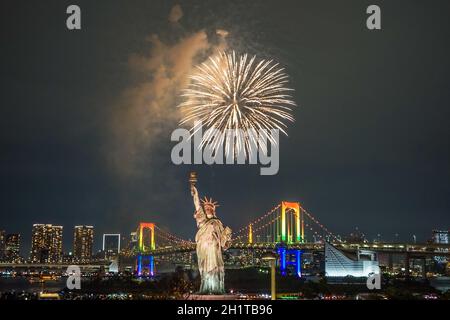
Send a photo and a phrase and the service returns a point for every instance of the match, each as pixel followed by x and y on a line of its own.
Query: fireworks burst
pixel 230 92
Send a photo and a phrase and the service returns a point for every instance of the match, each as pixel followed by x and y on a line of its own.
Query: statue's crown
pixel 209 203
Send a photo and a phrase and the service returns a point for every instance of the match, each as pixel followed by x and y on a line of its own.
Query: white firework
pixel 231 92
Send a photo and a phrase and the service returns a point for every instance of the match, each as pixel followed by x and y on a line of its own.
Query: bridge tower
pixel 144 259
pixel 250 233
pixel 292 231
pixel 291 257
pixel 151 228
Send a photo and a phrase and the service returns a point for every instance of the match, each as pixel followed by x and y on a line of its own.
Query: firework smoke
pixel 145 113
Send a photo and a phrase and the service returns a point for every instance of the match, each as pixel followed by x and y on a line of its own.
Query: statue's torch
pixel 193 178
pixel 194 192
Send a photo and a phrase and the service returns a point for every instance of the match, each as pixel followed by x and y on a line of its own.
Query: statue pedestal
pixel 213 297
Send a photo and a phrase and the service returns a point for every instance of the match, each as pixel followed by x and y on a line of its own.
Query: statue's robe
pixel 210 239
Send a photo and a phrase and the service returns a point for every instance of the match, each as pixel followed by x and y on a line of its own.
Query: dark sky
pixel 369 148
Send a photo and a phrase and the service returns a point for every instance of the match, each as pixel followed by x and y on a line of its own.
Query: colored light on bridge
pixel 151 228
pixel 140 261
pixel 282 254
pixel 151 266
pixel 139 265
pixel 299 232
pixel 285 260
pixel 299 263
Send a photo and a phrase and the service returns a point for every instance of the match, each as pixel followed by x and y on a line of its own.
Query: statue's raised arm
pixel 199 214
pixel 195 197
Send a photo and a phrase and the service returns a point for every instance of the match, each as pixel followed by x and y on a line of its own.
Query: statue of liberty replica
pixel 211 239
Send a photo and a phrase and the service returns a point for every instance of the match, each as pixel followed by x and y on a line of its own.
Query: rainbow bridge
pixel 287 229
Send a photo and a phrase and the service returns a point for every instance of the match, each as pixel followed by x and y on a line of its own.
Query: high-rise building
pixel 46 243
pixel 12 247
pixel 441 236
pixel 2 244
pixel 111 245
pixel 132 244
pixel 83 239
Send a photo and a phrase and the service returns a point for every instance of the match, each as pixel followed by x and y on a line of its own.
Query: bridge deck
pixel 426 249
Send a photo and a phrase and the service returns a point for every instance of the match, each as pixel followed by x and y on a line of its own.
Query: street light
pixel 271 257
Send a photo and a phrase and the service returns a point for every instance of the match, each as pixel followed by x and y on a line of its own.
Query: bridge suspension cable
pixel 268 227
pixel 320 224
pixel 238 234
pixel 170 237
pixel 268 224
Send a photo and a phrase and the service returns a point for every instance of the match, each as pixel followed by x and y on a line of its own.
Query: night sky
pixel 82 140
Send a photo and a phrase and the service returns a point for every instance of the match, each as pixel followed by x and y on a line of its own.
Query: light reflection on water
pixel 22 284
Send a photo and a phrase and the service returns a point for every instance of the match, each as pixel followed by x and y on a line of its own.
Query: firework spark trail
pixel 238 93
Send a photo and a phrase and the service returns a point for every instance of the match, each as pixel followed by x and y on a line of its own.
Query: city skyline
pixel 98 240
pixel 98 237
